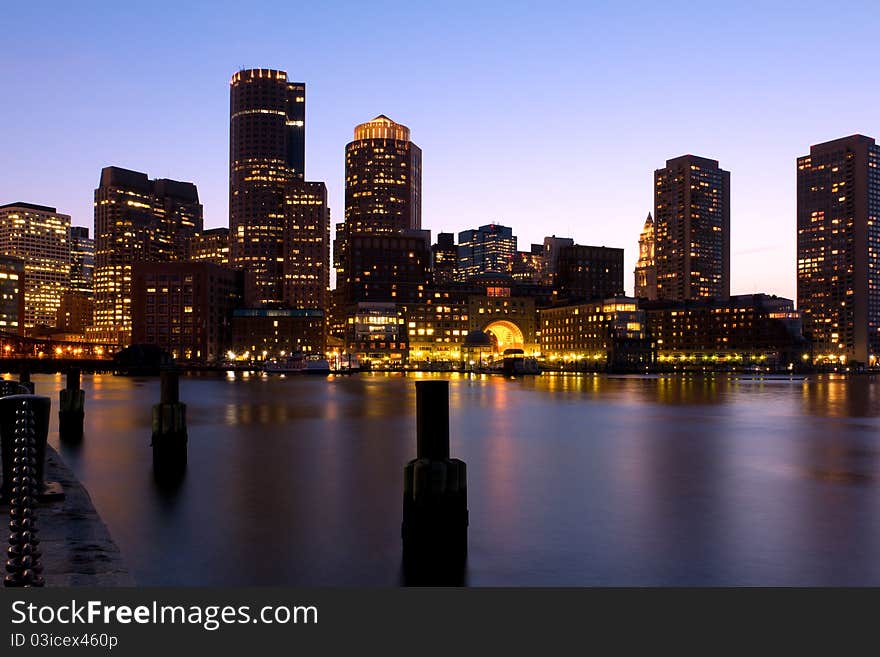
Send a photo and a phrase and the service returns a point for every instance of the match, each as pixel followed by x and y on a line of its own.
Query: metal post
pixel 71 411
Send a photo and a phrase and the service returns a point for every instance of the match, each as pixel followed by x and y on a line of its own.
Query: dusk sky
pixel 547 117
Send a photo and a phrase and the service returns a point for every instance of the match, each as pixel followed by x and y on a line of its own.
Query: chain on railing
pixel 23 565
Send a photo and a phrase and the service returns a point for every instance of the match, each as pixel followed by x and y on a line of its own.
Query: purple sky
pixel 547 117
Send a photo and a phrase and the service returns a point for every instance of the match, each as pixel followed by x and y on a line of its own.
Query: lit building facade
pixel 838 249
pixel 383 179
pixel 589 272
pixel 389 267
pixel 211 245
pixel 528 266
pixel 376 332
pixel 437 328
pixel 75 313
pixel 272 333
pixel 185 308
pixel 11 295
pixel 646 268
pixel 742 330
pixel 266 152
pixel 692 229
pixel 306 246
pixel 489 249
pixel 552 246
pixel 604 335
pixel 38 235
pixel 444 258
pixel 136 220
pixel 82 261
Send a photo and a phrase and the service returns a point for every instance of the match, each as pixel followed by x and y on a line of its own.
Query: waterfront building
pixel 82 261
pixel 211 245
pixel 11 295
pixel 838 249
pixel 436 329
pixel 488 249
pixel 376 333
pixel 444 258
pixel 646 268
pixel 136 220
pixel 266 152
pixel 692 229
pixel 589 272
pixel 742 330
pixel 604 335
pixel 38 235
pixel 185 308
pixel 383 179
pixel 275 333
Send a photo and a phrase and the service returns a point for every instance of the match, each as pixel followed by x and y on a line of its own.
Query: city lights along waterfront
pixel 572 479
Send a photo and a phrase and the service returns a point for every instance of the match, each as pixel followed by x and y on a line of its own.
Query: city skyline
pixel 626 117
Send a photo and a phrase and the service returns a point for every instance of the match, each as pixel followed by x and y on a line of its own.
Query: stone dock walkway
pixel 76 545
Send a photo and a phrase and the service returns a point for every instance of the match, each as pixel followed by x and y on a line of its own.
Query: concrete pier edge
pixel 76 544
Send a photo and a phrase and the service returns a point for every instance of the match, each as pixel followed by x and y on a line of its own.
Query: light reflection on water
pixel 573 480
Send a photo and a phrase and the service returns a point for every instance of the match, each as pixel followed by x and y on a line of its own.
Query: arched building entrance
pixel 505 335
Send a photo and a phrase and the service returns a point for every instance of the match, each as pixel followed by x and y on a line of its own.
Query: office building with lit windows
pixel 528 266
pixel 589 272
pixel 444 258
pixel 306 246
pixel 692 229
pixel 38 235
pixel 266 152
pixel 82 261
pixel 211 245
pixel 11 295
pixel 136 220
pixel 838 249
pixel 273 333
pixel 389 267
pixel 646 268
pixel 489 249
pixel 185 308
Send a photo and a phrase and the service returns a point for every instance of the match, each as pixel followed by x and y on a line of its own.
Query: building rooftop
pixel 29 206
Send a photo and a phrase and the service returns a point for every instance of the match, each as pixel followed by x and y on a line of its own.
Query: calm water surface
pixel 573 480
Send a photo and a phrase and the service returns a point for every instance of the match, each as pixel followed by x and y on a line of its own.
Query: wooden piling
pixel 169 427
pixel 435 514
pixel 71 411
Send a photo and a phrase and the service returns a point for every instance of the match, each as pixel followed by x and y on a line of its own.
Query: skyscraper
pixel 444 258
pixel 82 261
pixel 838 248
pixel 38 235
pixel 136 220
pixel 488 249
pixel 266 151
pixel 383 179
pixel 383 197
pixel 692 229
pixel 646 269
pixel 306 246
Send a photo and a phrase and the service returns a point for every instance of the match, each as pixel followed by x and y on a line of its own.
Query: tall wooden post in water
pixel 169 427
pixel 435 514
pixel 71 408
